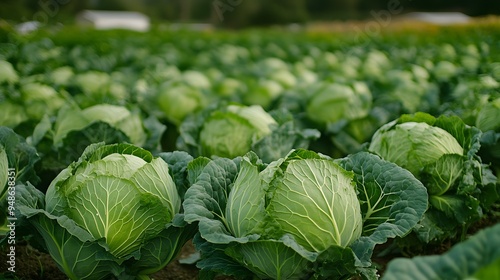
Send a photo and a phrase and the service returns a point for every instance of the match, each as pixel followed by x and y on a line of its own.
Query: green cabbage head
pixel 315 201
pixel 442 153
pixel 231 132
pixel 333 102
pixel 178 101
pixel 300 215
pixel 113 214
pixel 73 119
pixel 422 149
pixel 117 193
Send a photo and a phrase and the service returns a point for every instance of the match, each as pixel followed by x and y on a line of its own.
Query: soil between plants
pixel 32 264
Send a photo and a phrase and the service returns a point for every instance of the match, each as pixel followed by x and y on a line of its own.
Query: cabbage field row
pixel 279 155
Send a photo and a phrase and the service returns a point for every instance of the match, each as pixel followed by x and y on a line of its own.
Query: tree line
pixel 239 13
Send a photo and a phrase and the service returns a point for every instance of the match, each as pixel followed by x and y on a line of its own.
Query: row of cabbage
pixel 287 159
pixel 121 212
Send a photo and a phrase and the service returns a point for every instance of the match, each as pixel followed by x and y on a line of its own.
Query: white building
pixel 114 20
pixel 443 18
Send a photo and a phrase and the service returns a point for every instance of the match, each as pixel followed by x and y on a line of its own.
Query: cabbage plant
pixel 41 100
pixel 116 212
pixel 334 102
pixel 72 119
pixel 17 166
pixel 262 92
pixel 405 91
pixel 22 107
pixel 61 140
pixel 304 215
pixel 232 130
pixel 7 73
pixel 443 154
pixel 176 101
pixel 96 87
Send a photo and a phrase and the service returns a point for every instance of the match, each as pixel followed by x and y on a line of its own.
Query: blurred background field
pixel 242 13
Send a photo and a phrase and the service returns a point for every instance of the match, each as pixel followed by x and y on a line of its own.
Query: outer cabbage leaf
pixel 20 156
pixel 4 163
pixel 469 259
pixel 442 174
pixel 178 162
pixel 245 209
pixel 214 260
pixel 156 253
pixel 63 238
pixel 271 259
pixel 338 263
pixel 18 160
pixel 206 200
pixel 488 117
pixel 392 200
pixel 286 137
pixel 454 206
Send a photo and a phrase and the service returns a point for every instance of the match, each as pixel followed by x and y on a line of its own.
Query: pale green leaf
pixel 245 209
pixel 114 209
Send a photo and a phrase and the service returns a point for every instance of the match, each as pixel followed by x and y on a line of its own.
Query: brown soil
pixel 32 264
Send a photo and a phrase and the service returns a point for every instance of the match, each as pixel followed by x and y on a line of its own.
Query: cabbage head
pixel 110 193
pixel 177 101
pixel 232 130
pixel 230 134
pixel 63 139
pixel 335 218
pixel 418 146
pixel 115 211
pixel 333 102
pixel 298 216
pixel 443 154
